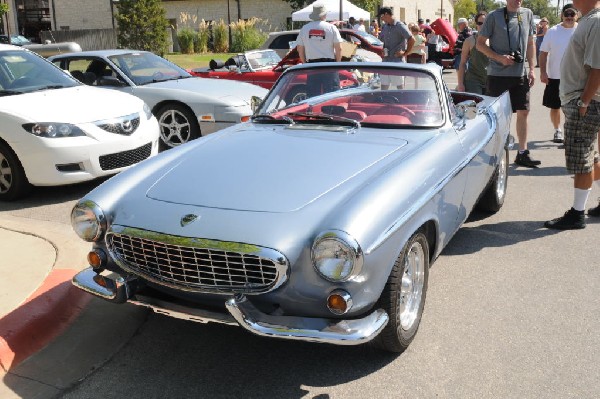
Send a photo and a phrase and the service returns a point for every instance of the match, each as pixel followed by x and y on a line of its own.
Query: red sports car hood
pixel 272 169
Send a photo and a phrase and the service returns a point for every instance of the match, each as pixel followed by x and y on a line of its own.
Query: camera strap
pixel 519 19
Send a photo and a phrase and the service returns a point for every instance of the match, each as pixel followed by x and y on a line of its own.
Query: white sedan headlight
pixel 53 129
pixel 88 220
pixel 336 256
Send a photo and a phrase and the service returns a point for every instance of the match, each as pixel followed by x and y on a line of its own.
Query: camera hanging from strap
pixel 519 19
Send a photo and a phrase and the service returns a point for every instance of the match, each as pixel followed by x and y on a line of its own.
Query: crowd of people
pixel 501 55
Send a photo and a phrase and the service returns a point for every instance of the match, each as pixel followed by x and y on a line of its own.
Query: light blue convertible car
pixel 317 220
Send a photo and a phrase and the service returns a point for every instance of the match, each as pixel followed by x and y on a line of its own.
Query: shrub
pixel 201 42
pixel 142 25
pixel 246 35
pixel 186 37
pixel 221 37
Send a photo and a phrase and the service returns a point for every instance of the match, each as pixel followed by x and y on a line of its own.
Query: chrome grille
pixel 124 126
pixel 196 268
pixel 125 158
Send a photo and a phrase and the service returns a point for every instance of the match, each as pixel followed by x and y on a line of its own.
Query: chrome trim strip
pixel 279 260
pixel 339 332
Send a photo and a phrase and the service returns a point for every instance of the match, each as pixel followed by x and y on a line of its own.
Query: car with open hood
pixel 186 107
pixel 317 220
pixel 55 130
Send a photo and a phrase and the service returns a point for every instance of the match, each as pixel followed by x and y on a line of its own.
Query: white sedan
pixel 55 130
pixel 186 107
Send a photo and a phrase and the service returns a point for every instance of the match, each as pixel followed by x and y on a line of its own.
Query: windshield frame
pixel 122 62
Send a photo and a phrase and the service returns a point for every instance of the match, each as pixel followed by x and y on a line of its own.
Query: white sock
pixel 581 197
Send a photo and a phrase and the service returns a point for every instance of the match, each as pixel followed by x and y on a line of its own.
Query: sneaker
pixel 571 220
pixel 524 159
pixel 558 136
pixel 595 212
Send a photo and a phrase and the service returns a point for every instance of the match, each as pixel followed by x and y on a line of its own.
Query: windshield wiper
pixel 48 87
pixel 9 92
pixel 327 117
pixel 265 118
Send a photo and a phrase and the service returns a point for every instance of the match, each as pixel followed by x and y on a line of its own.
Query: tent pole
pixel 341 11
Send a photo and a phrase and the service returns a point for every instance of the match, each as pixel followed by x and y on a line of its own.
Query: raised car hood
pixel 235 93
pixel 270 170
pixel 80 104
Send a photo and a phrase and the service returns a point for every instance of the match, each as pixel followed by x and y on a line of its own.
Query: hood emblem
pixel 187 219
pixel 127 126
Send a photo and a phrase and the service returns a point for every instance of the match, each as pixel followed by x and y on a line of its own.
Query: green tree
pixel 543 8
pixel 3 9
pixel 465 9
pixel 296 4
pixel 368 5
pixel 142 25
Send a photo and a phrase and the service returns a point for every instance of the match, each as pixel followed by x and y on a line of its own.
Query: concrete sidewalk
pixel 37 299
pixel 52 335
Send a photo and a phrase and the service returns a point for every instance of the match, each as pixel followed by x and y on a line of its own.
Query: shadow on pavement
pixel 469 240
pixel 41 196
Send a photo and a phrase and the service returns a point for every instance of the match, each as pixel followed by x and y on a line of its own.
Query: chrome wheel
pixel 178 125
pixel 411 291
pixel 6 174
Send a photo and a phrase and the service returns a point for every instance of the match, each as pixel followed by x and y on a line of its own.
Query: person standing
pixel 397 42
pixel 580 99
pixel 551 53
pixel 464 32
pixel 417 53
pixel 510 33
pixel 320 41
pixel 540 34
pixel 472 74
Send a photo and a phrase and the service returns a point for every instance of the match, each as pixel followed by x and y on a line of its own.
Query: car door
pixel 483 139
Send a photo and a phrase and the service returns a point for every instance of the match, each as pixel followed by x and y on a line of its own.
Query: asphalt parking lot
pixel 512 312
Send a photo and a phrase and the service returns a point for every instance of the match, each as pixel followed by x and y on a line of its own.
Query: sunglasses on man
pixel 569 14
pixel 479 23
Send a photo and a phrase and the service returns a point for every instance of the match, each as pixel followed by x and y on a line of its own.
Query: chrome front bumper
pixel 241 312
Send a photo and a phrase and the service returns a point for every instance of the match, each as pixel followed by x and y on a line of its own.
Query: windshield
pixel 372 96
pixel 24 72
pixel 143 68
pixel 370 38
pixel 263 59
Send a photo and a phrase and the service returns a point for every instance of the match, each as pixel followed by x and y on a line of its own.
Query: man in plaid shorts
pixel 580 98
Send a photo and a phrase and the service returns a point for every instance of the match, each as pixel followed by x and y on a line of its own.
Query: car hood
pixel 234 93
pixel 275 169
pixel 79 104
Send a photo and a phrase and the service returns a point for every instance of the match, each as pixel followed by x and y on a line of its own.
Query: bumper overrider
pixel 118 289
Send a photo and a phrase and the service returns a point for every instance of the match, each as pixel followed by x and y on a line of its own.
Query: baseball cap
pixel 568 6
pixel 462 21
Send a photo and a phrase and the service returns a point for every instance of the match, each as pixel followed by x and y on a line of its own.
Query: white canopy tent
pixel 333 11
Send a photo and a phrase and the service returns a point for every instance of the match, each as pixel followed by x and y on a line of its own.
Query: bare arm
pixel 338 51
pixel 301 53
pixel 409 45
pixel 462 67
pixel 530 58
pixel 543 63
pixel 591 87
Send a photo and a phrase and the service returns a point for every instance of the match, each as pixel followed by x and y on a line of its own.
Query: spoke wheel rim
pixel 411 292
pixel 5 175
pixel 175 128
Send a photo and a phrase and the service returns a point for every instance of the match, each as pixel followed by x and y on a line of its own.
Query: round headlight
pixel 88 220
pixel 336 256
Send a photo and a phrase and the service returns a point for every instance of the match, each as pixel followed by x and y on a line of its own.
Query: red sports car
pixel 262 68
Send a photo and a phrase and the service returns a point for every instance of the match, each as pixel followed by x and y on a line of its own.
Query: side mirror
pixel 109 81
pixel 254 103
pixel 466 109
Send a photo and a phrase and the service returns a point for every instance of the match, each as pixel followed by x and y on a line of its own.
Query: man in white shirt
pixel 552 49
pixel 320 41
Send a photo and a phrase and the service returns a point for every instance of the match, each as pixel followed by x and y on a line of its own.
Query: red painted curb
pixel 43 316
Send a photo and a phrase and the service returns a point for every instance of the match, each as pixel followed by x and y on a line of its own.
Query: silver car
pixel 186 107
pixel 318 220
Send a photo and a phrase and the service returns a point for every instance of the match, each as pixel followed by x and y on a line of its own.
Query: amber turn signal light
pixel 96 259
pixel 339 302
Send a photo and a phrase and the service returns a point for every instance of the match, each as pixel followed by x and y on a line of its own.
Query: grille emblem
pixel 127 126
pixel 187 219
